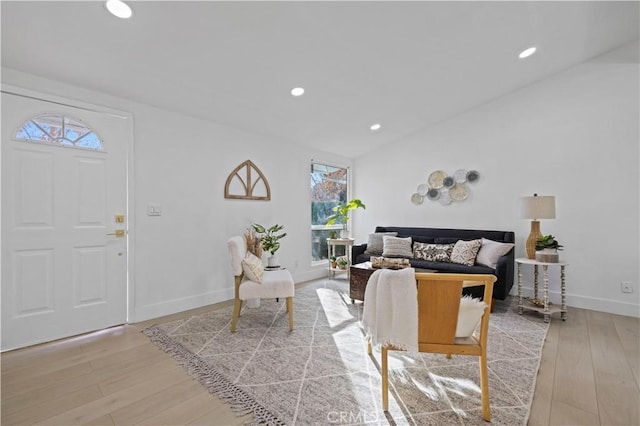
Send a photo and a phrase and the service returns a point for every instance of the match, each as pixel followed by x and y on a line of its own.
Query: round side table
pixel 543 306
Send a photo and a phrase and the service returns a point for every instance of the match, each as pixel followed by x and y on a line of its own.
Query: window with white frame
pixel 329 187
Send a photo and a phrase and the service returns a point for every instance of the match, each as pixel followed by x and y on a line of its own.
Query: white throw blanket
pixel 390 314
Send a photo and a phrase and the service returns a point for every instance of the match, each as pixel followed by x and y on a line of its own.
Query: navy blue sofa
pixel 504 269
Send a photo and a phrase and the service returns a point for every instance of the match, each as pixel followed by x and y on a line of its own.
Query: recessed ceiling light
pixel 375 127
pixel 119 9
pixel 297 91
pixel 527 52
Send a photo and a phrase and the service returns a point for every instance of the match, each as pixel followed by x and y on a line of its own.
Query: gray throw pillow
pixel 375 246
pixel 396 247
pixel 491 251
pixel 432 252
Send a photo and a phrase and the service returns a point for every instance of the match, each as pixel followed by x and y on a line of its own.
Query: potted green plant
pixel 342 263
pixel 547 249
pixel 341 214
pixel 333 261
pixel 270 240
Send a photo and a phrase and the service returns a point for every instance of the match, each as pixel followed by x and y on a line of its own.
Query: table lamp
pixel 536 207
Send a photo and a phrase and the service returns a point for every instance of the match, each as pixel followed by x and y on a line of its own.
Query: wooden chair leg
pixel 290 310
pixel 237 306
pixel 385 380
pixel 484 388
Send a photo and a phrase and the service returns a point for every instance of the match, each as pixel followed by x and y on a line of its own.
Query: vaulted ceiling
pixel 405 65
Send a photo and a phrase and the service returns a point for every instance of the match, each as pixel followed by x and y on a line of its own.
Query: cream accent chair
pixel 274 285
pixel 438 310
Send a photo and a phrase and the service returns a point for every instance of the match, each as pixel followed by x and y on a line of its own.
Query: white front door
pixel 62 272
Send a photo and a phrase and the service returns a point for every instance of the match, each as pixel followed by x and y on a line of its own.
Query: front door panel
pixel 62 274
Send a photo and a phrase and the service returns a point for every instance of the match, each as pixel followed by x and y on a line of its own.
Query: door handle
pixel 118 233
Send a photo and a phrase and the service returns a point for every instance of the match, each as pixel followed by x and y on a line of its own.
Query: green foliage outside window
pixel 328 190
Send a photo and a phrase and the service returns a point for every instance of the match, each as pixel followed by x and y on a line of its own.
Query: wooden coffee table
pixel 359 276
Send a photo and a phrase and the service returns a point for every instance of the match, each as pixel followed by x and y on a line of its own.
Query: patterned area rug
pixel 321 374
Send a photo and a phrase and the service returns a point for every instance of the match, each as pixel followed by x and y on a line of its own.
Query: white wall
pixel 180 163
pixel 574 136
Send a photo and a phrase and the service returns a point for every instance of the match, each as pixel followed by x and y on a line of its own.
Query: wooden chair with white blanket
pixel 253 282
pixel 446 324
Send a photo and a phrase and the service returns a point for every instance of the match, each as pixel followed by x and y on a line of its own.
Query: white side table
pixel 543 305
pixel 332 243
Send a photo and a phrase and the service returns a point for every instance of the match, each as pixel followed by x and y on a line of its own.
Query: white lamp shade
pixel 538 207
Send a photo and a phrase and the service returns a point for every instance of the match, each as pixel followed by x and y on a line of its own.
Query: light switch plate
pixel 154 210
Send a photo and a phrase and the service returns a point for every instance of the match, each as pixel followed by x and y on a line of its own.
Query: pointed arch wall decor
pixel 245 180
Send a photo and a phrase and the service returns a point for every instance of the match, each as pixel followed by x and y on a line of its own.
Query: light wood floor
pixel 589 375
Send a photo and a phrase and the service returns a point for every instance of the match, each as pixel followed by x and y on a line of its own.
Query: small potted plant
pixel 333 261
pixel 270 240
pixel 341 215
pixel 547 249
pixel 342 263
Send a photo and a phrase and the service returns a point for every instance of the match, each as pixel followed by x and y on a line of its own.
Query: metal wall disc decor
pixel 460 175
pixel 473 176
pixel 459 192
pixel 448 182
pixel 445 188
pixel 433 194
pixel 445 198
pixel 436 179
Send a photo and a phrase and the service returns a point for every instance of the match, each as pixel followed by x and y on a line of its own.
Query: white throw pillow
pixel 469 315
pixel 252 267
pixel 464 252
pixel 396 247
pixel 491 251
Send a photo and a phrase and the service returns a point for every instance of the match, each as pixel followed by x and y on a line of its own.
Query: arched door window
pixel 59 130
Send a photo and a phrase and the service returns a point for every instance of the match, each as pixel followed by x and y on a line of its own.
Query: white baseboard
pixel 309 275
pixel 144 313
pixel 602 305
pixel 605 305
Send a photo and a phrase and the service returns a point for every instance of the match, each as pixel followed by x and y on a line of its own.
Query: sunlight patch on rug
pixel 321 373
